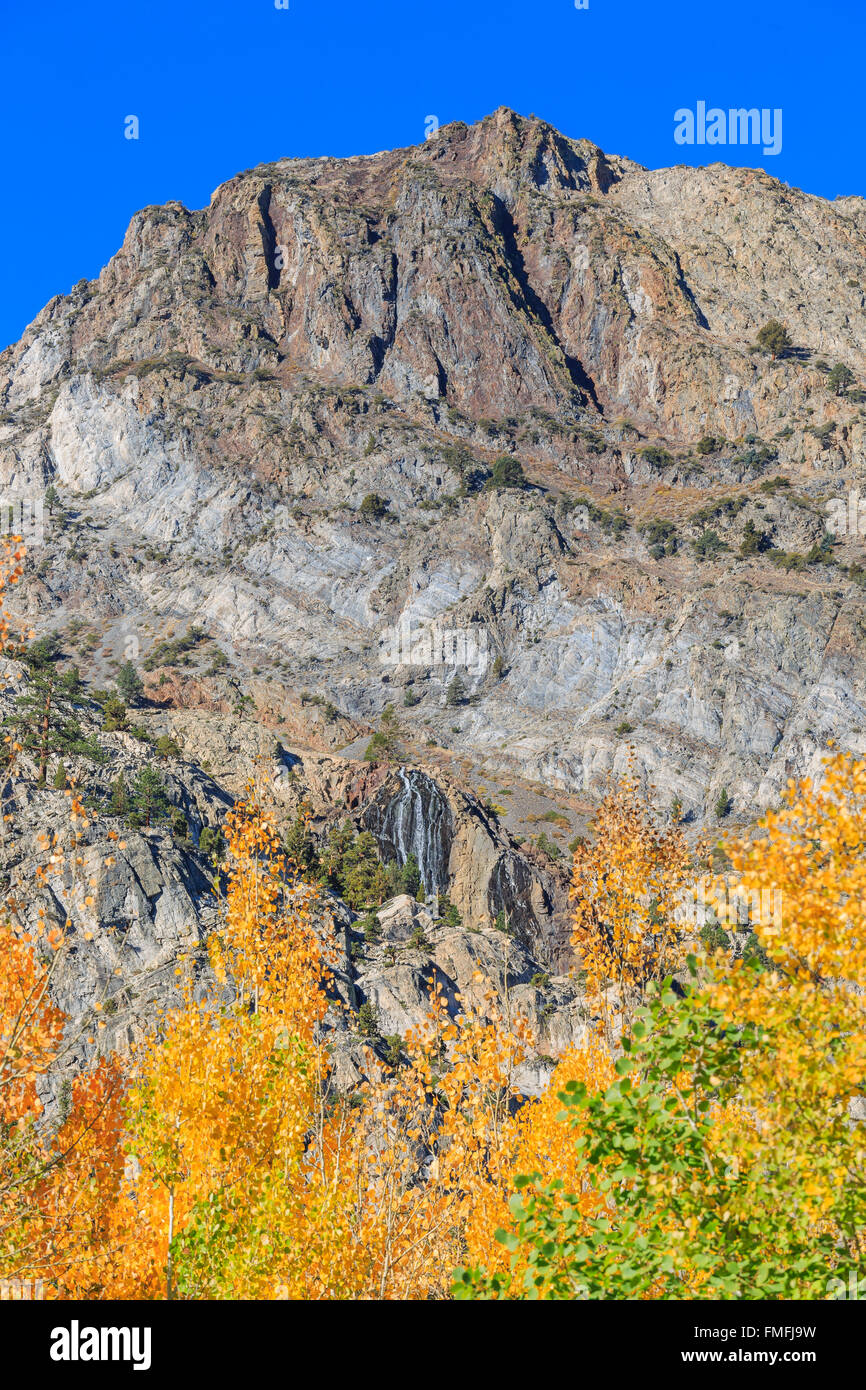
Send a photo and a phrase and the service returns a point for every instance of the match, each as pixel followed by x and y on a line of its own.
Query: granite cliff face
pixel 215 407
pixel 133 901
pixel 277 419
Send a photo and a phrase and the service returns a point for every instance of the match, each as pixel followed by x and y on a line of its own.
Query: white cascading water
pixel 416 821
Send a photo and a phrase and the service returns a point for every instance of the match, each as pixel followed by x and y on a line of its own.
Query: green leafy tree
pixel 45 720
pixel 300 845
pixel 114 715
pixel 774 338
pixel 507 472
pixel 840 378
pixel 211 844
pixel 714 1233
pixel 410 876
pixel 119 802
pixel 129 684
pixel 373 507
pixel 149 802
pixel 628 1137
pixel 754 541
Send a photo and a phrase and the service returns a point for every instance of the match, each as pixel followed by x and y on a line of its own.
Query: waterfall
pixel 415 820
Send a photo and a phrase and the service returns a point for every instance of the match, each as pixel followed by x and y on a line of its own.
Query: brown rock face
pixel 499 267
pixel 277 419
pixel 273 429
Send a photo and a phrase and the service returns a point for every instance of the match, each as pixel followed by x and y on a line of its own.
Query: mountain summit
pixel 499 381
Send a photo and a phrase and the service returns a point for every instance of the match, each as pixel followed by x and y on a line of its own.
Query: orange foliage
pixel 625 887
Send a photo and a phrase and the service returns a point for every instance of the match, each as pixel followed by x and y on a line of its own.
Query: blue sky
pixel 221 85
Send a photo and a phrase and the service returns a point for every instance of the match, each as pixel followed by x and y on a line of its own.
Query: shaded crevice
pixel 381 343
pixel 536 305
pixel 269 237
pixel 687 291
pixel 441 378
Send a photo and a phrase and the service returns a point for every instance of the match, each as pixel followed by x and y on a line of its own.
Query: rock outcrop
pixel 213 410
pixel 271 430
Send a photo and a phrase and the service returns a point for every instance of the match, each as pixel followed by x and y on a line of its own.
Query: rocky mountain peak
pixel 499 385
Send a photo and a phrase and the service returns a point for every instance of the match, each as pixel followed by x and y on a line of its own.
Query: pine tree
pixel 840 378
pixel 384 745
pixel 45 720
pixel 448 912
pixel 44 652
pixel 300 846
pixel 351 867
pixel 211 843
pixel 774 338
pixel 113 715
pixel 507 472
pixel 754 541
pixel 129 684
pixel 149 801
pixel 119 803
pixel 456 692
pixel 374 507
pixel 393 878
pixel 364 881
pixel 368 1021
pixel 71 683
pixel 60 777
pixel 410 876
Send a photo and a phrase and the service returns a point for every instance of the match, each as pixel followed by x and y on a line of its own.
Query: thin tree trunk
pixel 46 731
pixel 168 1270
